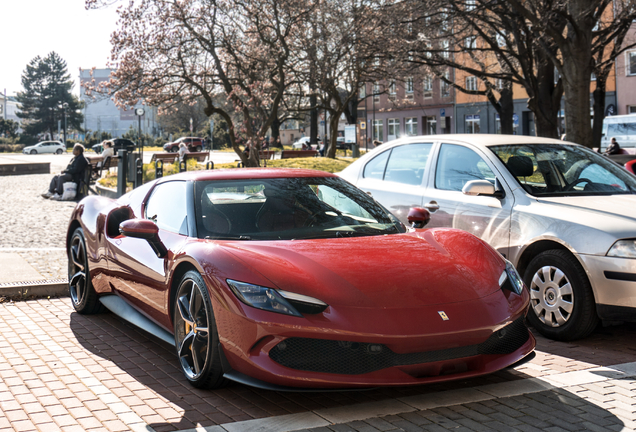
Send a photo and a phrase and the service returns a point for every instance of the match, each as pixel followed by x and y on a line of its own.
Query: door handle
pixel 432 206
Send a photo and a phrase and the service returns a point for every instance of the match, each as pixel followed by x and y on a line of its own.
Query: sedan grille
pixel 354 358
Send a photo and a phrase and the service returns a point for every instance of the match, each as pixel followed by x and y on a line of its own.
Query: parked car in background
pixel 561 213
pixel 271 277
pixel 298 144
pixel 621 127
pixel 193 144
pixel 341 144
pixel 56 147
pixel 117 144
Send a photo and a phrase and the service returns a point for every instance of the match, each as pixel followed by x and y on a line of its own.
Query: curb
pixel 34 289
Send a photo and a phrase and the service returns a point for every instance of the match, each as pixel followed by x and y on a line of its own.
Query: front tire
pixel 34 152
pixel 195 334
pixel 198 149
pixel 83 295
pixel 562 303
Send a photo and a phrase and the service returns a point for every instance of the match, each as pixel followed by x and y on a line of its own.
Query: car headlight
pixel 269 299
pixel 510 279
pixel 623 249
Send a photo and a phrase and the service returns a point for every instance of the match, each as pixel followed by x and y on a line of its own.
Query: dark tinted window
pixel 167 207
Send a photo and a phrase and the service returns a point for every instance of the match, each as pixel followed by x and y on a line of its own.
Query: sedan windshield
pixel 288 208
pixel 564 170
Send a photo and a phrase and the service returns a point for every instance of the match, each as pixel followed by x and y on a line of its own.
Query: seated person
pixel 108 152
pixel 73 172
pixel 182 151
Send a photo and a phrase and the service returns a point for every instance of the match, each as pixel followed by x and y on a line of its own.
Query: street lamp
pixel 63 106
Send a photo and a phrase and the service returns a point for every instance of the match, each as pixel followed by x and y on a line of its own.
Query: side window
pixel 407 163
pixel 375 168
pixel 167 207
pixel 457 165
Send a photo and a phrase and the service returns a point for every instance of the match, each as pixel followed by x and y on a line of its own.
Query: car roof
pixel 480 140
pixel 247 173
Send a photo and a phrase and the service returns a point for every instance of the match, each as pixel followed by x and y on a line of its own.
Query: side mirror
pixel 481 187
pixel 144 229
pixel 418 217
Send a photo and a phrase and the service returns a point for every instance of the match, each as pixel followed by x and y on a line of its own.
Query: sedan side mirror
pixel 481 187
pixel 418 217
pixel 144 229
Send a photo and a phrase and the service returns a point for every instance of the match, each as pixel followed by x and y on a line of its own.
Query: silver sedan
pixel 562 214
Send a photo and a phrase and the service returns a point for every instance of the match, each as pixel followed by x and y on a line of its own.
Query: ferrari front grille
pixel 354 358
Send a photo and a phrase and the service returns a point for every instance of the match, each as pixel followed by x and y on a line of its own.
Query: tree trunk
pixel 333 134
pixel 577 105
pixel 599 112
pixel 547 103
pixel 313 132
pixel 275 127
pixel 506 110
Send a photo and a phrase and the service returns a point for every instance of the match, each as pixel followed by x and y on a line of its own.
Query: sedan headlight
pixel 269 299
pixel 510 279
pixel 623 249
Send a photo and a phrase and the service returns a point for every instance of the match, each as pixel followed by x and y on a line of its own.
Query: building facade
pixel 102 115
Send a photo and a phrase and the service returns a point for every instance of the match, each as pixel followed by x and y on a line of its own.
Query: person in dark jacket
pixel 73 172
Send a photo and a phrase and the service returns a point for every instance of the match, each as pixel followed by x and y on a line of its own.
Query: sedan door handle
pixel 432 206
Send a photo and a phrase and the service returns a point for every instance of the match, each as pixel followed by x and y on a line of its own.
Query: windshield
pixel 562 169
pixel 288 208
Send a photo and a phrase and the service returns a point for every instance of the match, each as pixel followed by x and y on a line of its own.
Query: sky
pixel 31 28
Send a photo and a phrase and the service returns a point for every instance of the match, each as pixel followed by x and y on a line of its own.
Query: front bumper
pixel 613 281
pixel 424 350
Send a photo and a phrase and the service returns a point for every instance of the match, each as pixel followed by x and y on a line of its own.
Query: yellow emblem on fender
pixel 443 315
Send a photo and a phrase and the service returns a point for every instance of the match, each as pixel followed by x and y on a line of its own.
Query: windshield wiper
pixel 229 237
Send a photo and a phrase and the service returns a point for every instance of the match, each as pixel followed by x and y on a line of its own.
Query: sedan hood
pixel 602 219
pixel 428 267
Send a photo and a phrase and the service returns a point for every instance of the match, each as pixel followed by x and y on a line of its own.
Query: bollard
pixel 139 173
pixel 209 165
pixel 182 166
pixel 122 169
pixel 158 169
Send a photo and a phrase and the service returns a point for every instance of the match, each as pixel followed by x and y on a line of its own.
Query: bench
pixel 97 165
pixel 165 157
pixel 199 156
pixel 288 154
pixel 266 154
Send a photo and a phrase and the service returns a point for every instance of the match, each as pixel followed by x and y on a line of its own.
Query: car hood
pixel 602 219
pixel 28 147
pixel 428 267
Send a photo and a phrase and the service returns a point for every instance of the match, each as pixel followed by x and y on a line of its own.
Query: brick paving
pixel 63 371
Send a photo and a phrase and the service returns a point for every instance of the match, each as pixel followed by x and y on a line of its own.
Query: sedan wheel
pixel 82 293
pixel 34 152
pixel 196 338
pixel 561 299
pixel 198 149
pixel 59 151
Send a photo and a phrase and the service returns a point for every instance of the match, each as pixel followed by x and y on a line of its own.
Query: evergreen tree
pixel 46 96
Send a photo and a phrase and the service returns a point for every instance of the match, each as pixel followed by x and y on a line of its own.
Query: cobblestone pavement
pixel 63 371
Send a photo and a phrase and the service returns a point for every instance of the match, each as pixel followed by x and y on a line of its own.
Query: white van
pixel 621 127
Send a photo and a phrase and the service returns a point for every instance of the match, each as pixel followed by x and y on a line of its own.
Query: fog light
pixel 374 349
pixel 282 346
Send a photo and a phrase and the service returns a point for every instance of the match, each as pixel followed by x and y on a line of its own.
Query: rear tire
pixel 562 305
pixel 195 334
pixel 83 295
pixel 59 151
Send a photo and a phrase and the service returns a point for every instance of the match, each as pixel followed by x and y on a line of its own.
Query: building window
pixel 363 91
pixel 631 109
pixel 378 130
pixel 445 49
pixel 392 90
pixel 471 83
pixel 444 86
pixel 471 42
pixel 409 85
pixel 376 92
pixel 472 124
pixel 431 125
pixel 410 126
pixel 393 128
pixel 470 5
pixel 631 63
pixel 428 83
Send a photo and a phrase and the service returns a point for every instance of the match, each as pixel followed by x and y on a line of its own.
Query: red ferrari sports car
pixel 290 279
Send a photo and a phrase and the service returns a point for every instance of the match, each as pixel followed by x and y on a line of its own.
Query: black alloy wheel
pixel 195 334
pixel 83 295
